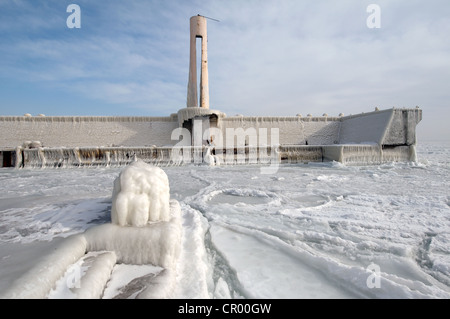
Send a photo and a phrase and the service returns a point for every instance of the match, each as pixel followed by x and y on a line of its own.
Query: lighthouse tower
pixel 198 30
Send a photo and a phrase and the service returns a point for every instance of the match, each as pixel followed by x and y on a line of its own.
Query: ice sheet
pixel 322 226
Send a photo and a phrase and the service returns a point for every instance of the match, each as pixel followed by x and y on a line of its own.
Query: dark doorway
pixel 8 159
pixel 188 125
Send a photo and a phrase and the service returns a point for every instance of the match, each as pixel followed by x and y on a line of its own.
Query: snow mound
pixel 141 194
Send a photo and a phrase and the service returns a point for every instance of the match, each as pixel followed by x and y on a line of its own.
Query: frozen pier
pixel 366 138
pixel 197 134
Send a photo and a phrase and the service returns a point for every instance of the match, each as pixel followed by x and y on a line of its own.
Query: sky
pixel 268 58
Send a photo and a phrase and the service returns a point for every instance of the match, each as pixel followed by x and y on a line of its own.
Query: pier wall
pixel 293 130
pixel 374 137
pixel 86 131
pixel 386 127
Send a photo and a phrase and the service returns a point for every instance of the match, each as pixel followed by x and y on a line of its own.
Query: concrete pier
pixel 56 141
pixel 366 138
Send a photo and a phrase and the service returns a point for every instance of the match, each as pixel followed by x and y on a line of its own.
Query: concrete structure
pixel 198 30
pixel 367 138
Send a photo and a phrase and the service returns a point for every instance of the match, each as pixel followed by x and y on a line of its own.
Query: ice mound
pixel 146 229
pixel 141 194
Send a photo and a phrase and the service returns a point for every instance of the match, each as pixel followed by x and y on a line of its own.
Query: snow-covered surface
pixel 145 229
pixel 319 230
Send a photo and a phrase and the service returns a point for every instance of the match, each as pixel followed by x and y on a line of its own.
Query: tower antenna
pixel 208 18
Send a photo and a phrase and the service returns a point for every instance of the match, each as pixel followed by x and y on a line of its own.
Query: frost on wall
pixel 87 131
pixel 140 195
pixel 366 128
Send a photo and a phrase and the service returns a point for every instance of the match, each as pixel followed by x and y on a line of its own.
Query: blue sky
pixel 276 58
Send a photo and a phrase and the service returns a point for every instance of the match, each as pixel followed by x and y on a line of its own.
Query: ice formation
pixel 37 282
pixel 211 159
pixel 155 243
pixel 145 230
pixel 141 194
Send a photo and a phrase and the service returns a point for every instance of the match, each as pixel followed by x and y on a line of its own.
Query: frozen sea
pixel 318 230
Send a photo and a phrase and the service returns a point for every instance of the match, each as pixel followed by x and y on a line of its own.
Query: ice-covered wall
pixel 387 127
pixel 86 131
pixel 292 130
pixel 80 141
pixel 368 154
pixel 402 128
pixel 364 128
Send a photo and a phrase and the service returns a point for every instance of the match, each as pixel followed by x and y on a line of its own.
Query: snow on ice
pixel 145 230
pixel 318 230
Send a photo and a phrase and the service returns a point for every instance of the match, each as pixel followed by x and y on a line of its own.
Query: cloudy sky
pixel 266 57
